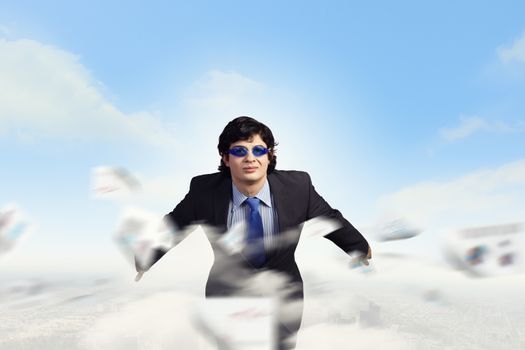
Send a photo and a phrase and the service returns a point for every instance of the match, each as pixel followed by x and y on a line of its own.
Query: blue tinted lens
pixel 259 151
pixel 238 151
pixel 241 151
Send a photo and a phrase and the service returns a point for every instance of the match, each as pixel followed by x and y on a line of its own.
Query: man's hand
pixel 361 259
pixel 140 270
pixel 139 275
pixel 367 257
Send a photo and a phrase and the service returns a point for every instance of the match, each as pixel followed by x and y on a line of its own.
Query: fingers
pixel 139 276
pixel 362 260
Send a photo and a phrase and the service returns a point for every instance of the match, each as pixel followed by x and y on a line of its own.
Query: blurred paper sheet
pixel 140 232
pixel 112 182
pixel 488 250
pixel 239 323
pixel 13 226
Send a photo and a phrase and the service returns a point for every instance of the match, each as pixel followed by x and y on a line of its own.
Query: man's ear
pixel 271 154
pixel 226 159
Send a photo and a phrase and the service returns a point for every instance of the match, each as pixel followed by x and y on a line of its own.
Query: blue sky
pixel 385 104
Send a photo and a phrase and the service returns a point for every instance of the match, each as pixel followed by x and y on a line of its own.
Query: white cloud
pixel 4 31
pixel 471 125
pixel 227 93
pixel 163 320
pixel 467 127
pixel 482 197
pixel 47 93
pixel 516 52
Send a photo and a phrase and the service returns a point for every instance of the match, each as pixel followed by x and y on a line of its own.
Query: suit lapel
pixel 221 201
pixel 283 205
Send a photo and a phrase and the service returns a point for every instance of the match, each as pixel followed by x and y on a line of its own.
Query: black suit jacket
pixel 295 200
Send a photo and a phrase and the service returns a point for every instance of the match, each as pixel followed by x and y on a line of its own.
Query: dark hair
pixel 244 128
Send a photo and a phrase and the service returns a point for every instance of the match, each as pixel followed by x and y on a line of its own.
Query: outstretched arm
pixel 178 222
pixel 348 238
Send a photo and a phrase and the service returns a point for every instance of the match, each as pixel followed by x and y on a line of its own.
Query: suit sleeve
pixel 184 213
pixel 179 219
pixel 348 238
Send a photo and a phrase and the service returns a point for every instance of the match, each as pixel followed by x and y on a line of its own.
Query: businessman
pixel 269 206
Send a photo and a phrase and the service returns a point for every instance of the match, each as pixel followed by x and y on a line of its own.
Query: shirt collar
pixel 264 195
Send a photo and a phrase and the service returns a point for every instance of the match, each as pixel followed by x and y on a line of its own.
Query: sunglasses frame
pixel 245 152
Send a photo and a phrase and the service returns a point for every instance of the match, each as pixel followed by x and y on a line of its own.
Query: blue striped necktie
pixel 254 241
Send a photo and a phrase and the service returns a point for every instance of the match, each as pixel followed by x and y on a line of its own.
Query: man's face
pixel 248 169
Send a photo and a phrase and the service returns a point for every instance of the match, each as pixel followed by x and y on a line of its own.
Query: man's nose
pixel 249 157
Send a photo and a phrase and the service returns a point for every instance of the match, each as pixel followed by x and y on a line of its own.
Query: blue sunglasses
pixel 241 151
